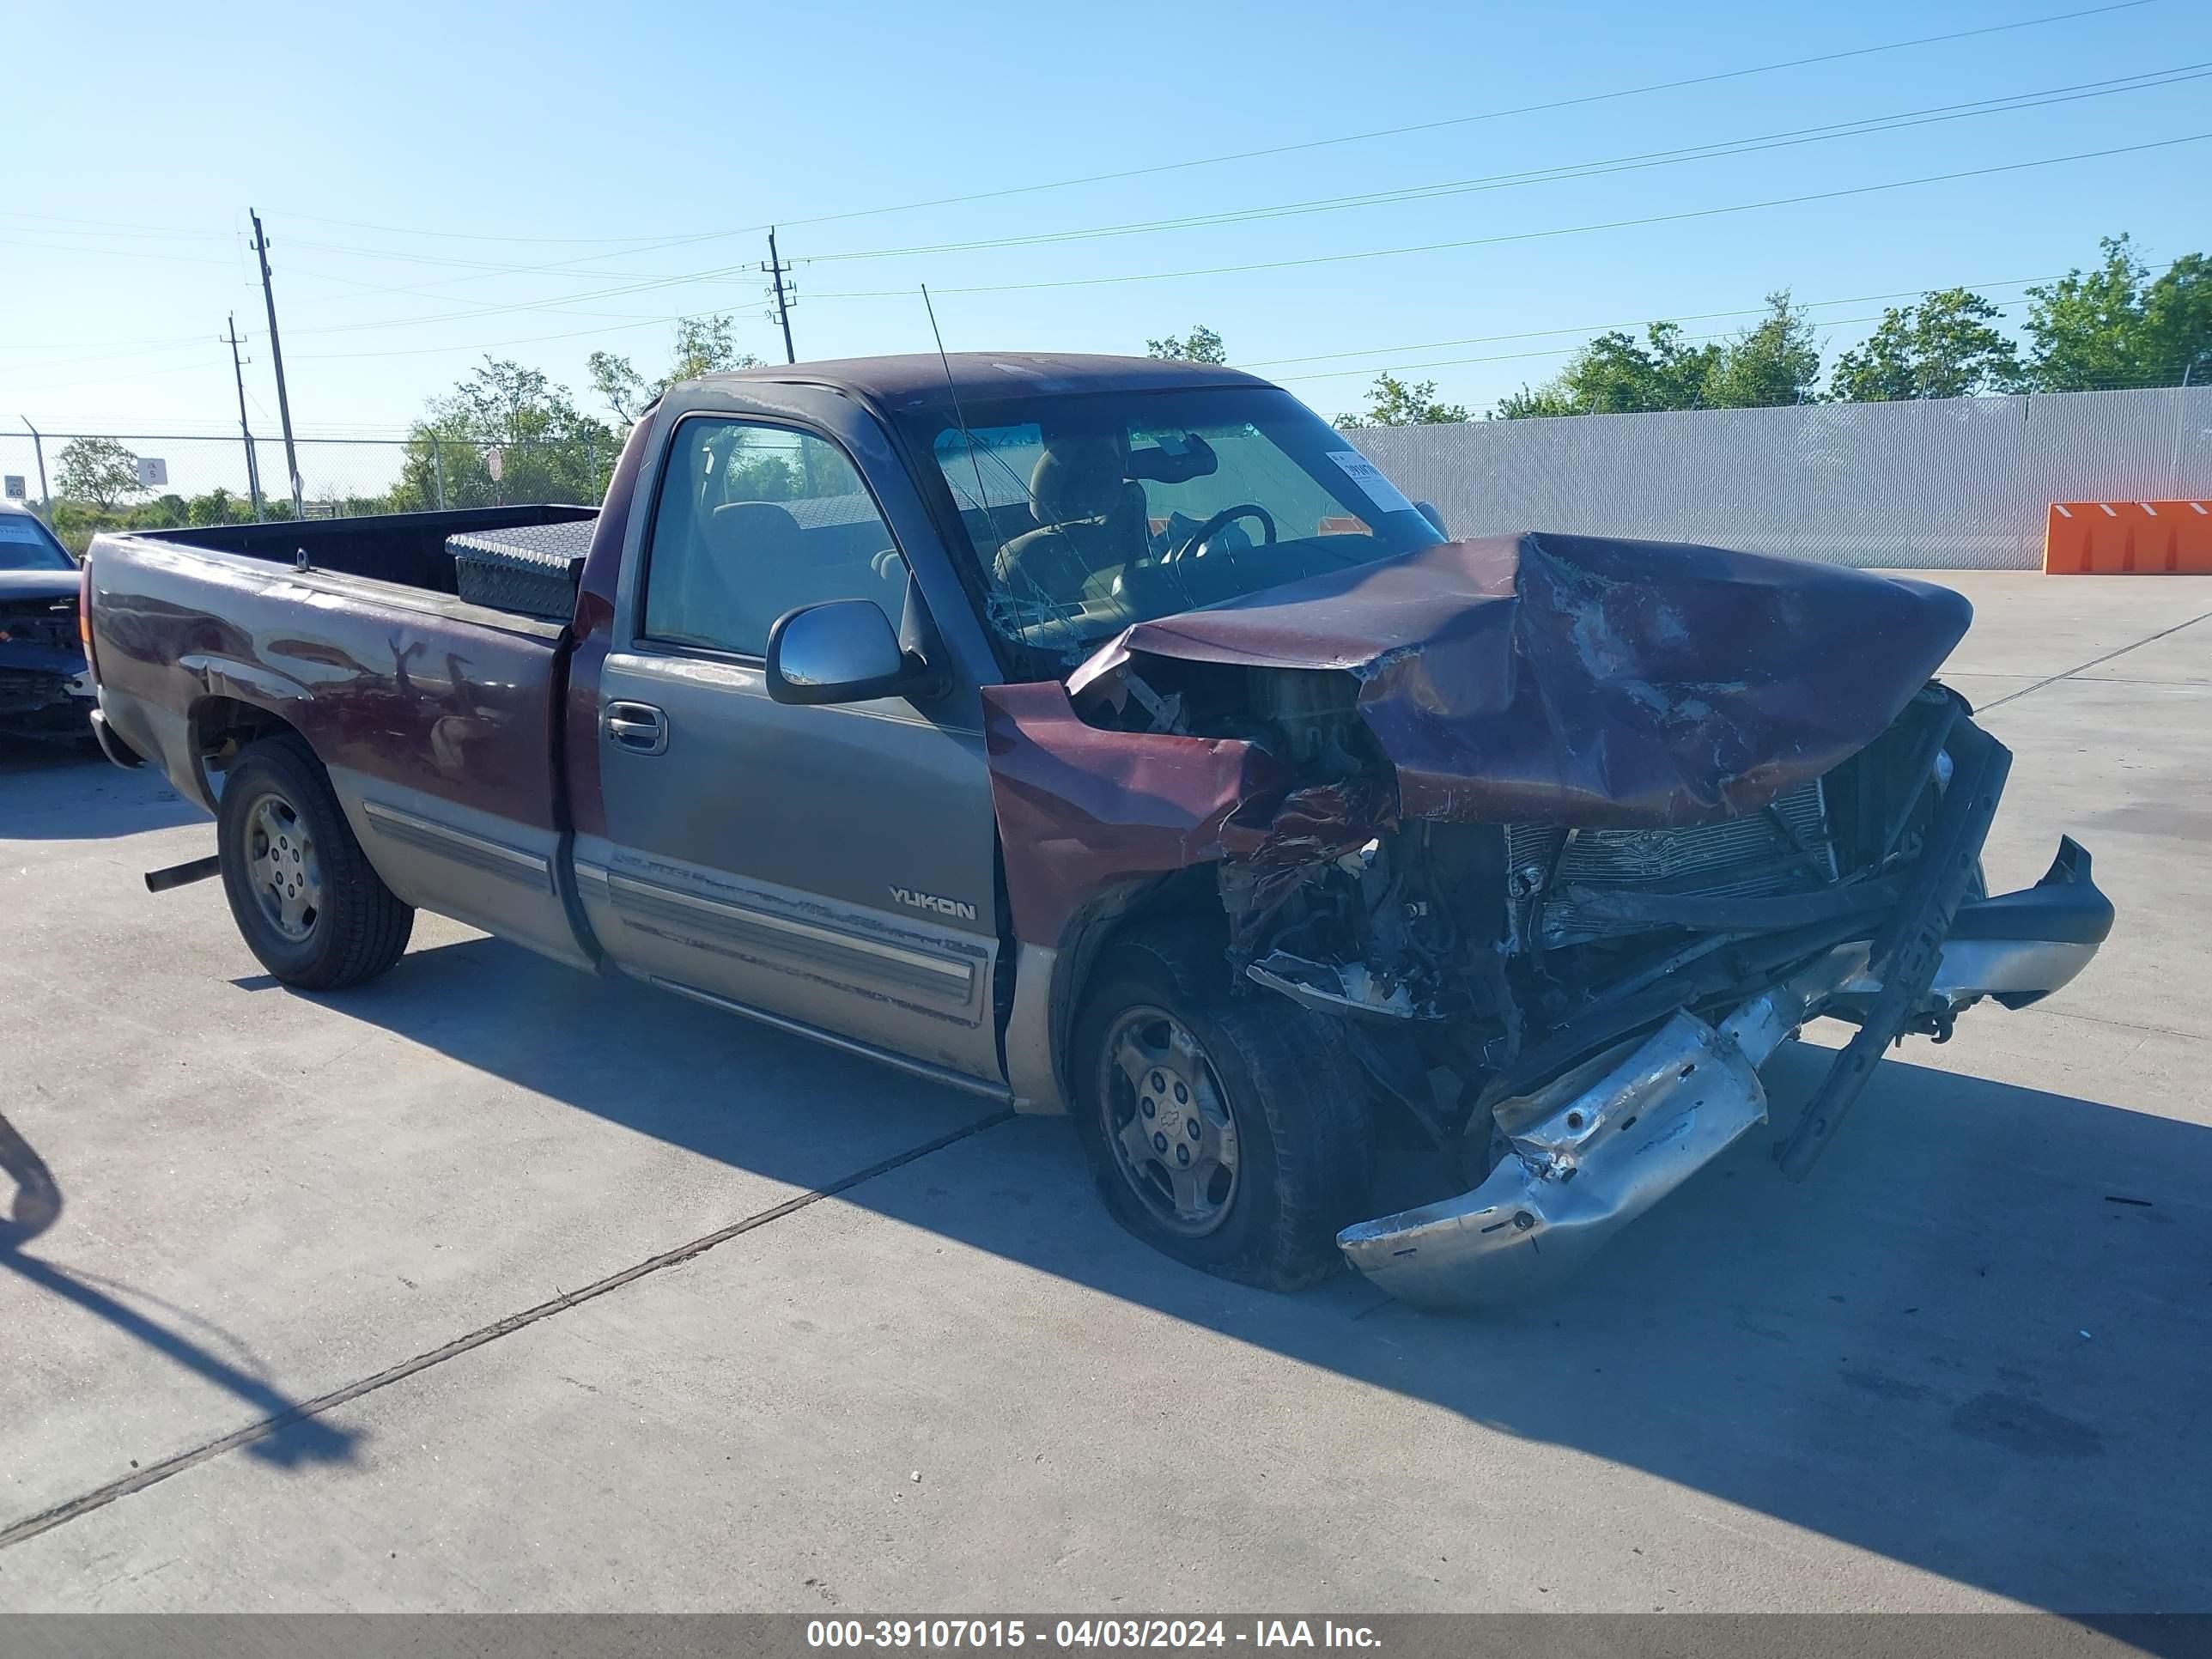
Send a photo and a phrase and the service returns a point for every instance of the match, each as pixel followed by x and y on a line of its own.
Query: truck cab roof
pixel 907 379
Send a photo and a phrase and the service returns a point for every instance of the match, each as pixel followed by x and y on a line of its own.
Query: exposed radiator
pixel 1784 848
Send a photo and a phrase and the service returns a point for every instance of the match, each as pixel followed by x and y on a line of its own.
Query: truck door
pixel 830 867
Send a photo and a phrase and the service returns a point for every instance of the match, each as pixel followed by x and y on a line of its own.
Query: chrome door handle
pixel 637 726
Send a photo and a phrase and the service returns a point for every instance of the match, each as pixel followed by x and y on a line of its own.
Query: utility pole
pixel 276 355
pixel 776 269
pixel 252 466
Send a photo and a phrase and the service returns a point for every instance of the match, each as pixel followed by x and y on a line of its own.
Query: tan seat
pixel 1091 519
pixel 748 555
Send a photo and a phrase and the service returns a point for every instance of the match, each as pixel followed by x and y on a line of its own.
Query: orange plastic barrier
pixel 2123 538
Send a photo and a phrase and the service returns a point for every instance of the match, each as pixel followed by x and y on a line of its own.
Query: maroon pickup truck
pixel 1109 737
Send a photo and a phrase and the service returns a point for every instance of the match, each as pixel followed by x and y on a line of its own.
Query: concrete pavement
pixel 1963 1366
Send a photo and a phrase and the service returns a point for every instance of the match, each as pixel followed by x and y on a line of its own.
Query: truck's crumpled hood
pixel 1585 680
pixel 1566 679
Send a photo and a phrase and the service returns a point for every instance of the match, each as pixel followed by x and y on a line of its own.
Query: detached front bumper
pixel 1654 1118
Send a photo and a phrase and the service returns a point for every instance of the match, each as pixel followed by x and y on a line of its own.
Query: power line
pixel 1601 328
pixel 462 235
pixel 116 227
pixel 689 239
pixel 2144 81
pixel 2008 103
pixel 108 228
pixel 1534 236
pixel 555 303
pixel 496 345
pixel 1266 265
pixel 1465 120
pixel 1562 351
pixel 473 347
pixel 2147 81
pixel 717 274
pixel 110 252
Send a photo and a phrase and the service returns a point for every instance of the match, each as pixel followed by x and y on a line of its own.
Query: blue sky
pixel 540 181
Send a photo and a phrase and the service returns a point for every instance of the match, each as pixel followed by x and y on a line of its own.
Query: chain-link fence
pixel 1960 484
pixel 203 480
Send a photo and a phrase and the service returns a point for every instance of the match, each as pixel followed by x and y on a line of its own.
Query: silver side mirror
pixel 841 651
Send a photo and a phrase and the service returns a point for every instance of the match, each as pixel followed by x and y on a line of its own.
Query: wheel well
pixel 1189 896
pixel 220 727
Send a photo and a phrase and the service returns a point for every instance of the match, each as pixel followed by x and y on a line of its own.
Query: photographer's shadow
pixel 284 1432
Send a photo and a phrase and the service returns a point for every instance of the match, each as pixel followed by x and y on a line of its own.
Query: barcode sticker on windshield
pixel 1369 477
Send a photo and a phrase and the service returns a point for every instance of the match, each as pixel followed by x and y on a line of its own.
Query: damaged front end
pixel 45 690
pixel 1569 836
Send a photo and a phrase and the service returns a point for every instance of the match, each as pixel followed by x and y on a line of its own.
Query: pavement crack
pixel 2068 674
pixel 139 1480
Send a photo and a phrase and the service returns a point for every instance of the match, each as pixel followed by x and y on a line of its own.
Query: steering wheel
pixel 1199 537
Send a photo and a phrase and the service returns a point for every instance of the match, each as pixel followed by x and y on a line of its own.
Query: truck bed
pixel 437 718
pixel 405 548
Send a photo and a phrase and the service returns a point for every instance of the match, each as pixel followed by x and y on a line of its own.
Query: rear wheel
pixel 1232 1133
pixel 305 899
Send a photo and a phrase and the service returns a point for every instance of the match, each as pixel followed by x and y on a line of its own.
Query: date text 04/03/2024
pixel 956 1633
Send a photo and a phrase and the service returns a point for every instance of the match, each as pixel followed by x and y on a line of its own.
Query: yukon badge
pixel 943 906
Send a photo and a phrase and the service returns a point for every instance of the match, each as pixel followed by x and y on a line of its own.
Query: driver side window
pixel 754 520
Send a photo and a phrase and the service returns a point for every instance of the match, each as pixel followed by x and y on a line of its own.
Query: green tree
pixel 1943 347
pixel 1534 402
pixel 2177 320
pixel 77 522
pixel 1393 401
pixel 2115 326
pixel 219 505
pixel 98 471
pixel 1201 345
pixel 1614 374
pixel 1776 361
pixel 511 418
pixel 162 512
pixel 704 345
pixel 620 386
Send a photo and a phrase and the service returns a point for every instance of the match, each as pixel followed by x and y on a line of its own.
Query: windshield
pixel 27 544
pixel 1090 512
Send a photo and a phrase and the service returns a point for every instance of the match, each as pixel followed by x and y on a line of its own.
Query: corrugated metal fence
pixel 1960 482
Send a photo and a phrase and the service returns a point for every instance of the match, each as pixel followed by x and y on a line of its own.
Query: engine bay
pixel 1471 962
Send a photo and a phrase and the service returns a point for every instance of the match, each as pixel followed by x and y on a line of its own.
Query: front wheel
pixel 1233 1134
pixel 305 898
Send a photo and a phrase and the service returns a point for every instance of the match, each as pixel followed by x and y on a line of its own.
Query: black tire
pixel 1299 1103
pixel 359 928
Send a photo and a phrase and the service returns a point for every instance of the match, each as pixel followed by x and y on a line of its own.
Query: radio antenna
pixel 967 438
